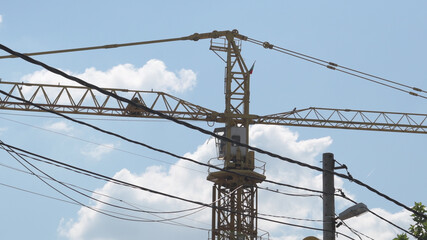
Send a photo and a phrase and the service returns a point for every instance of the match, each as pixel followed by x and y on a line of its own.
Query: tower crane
pixel 234 215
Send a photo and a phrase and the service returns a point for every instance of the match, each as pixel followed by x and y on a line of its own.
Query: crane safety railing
pixel 219 163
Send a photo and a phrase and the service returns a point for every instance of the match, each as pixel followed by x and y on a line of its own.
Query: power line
pixel 292 218
pixel 179 211
pixel 11 152
pixel 150 147
pixel 290 194
pixel 124 183
pixel 373 213
pixel 226 139
pixel 99 144
pixel 86 118
pixel 104 212
pixel 94 192
pixel 188 159
pixel 73 203
pixel 191 126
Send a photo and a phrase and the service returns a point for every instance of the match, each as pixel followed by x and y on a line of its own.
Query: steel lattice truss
pixel 349 119
pixel 81 100
pixel 234 214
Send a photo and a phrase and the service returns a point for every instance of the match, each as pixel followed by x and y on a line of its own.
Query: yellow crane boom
pixel 82 100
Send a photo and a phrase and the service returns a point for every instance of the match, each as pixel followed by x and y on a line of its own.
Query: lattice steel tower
pixel 234 214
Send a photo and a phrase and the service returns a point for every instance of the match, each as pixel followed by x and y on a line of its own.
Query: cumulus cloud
pixel 378 229
pixel 2 130
pixel 153 75
pixel 179 180
pixel 60 126
pixel 99 151
pixel 176 180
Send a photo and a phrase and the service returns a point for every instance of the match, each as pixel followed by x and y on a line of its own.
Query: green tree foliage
pixel 419 229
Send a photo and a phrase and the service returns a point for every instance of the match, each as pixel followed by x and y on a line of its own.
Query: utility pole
pixel 328 197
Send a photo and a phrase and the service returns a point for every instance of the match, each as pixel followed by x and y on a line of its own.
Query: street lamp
pixel 353 211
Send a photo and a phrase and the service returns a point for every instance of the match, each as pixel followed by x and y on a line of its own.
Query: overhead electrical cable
pixel 73 203
pixel 102 118
pixel 99 144
pixel 120 182
pixel 11 152
pixel 38 194
pixel 207 165
pixel 98 193
pixel 177 211
pixel 196 128
pixel 226 139
pixel 102 211
pixel 292 218
pixel 135 209
pixel 342 195
pixel 152 148
pixel 290 194
pixel 356 232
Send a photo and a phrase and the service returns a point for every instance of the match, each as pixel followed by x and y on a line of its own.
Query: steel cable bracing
pixel 305 57
pixel 346 70
pixel 61 73
pixel 108 46
pixel 120 182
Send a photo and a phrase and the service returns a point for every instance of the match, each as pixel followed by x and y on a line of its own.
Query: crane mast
pixel 234 214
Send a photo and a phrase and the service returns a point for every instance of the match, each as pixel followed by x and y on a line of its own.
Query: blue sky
pixel 385 38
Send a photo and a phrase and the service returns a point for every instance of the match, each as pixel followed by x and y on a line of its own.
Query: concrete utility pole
pixel 328 197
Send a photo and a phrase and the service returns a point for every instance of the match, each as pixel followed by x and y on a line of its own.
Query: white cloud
pixel 376 228
pixel 1 19
pixel 193 185
pixel 2 129
pixel 153 75
pixel 99 151
pixel 60 126
pixel 175 180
